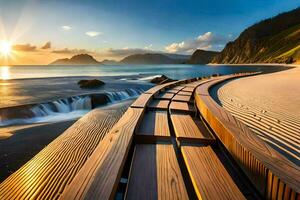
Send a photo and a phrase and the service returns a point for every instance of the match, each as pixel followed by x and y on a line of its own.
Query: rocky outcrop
pixel 202 57
pixel 160 80
pixel 90 83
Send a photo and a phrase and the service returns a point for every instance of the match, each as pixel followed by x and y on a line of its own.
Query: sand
pixel 270 105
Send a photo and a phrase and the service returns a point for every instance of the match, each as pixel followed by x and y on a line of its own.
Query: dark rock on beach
pixel 99 100
pixel 90 83
pixel 160 80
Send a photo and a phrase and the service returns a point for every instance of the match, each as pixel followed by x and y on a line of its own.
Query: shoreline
pixel 256 64
pixel 39 90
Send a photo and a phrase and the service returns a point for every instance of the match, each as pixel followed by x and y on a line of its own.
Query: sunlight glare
pixel 5 47
pixel 4 72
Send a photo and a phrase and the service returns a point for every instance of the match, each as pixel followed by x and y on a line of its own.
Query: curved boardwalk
pixel 271 173
pixel 170 145
pixel 174 142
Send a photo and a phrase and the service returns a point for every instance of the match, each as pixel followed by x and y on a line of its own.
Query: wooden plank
pixel 159 104
pixel 157 88
pixel 185 93
pixel 99 177
pixel 47 174
pixel 178 88
pixel 182 98
pixel 155 174
pixel 194 84
pixel 187 131
pixel 181 107
pixel 141 101
pixel 154 127
pixel 164 96
pixel 209 177
pixel 188 89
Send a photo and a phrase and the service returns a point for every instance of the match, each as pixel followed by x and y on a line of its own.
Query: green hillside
pixel 275 40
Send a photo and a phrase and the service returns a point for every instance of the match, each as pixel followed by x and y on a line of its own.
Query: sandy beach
pixel 269 105
pixel 26 143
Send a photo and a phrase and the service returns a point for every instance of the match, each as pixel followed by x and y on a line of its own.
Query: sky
pixel 40 31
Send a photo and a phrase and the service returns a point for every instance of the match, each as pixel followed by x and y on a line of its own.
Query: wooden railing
pixel 273 175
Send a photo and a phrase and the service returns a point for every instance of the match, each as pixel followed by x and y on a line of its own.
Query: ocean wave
pixel 63 109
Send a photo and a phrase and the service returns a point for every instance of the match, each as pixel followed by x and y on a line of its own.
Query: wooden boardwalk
pixel 174 142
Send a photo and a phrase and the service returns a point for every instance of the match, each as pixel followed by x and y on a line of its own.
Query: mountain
pixel 274 40
pixel 80 59
pixel 109 62
pixel 154 58
pixel 177 56
pixel 202 57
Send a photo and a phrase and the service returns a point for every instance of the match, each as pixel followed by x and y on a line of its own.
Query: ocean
pixel 173 71
pixel 36 94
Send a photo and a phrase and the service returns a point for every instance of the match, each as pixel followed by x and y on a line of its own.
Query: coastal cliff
pixel 202 57
pixel 274 40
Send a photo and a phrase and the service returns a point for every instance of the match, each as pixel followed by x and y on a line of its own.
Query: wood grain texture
pixel 181 106
pixel 257 159
pixel 154 123
pixel 209 177
pixel 185 93
pixel 164 96
pixel 46 175
pixel 178 88
pixel 155 174
pixel 99 177
pixel 181 98
pixel 159 104
pixel 141 101
pixel 188 89
pixel 195 83
pixel 186 130
pixel 157 88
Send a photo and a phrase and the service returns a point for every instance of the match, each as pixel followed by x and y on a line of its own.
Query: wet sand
pixel 269 105
pixel 25 144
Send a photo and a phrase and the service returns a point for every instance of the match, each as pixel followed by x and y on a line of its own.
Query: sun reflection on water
pixel 4 72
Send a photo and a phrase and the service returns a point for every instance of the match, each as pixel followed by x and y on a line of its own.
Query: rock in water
pixel 160 80
pixel 90 83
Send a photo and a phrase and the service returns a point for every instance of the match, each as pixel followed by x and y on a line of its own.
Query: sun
pixel 5 47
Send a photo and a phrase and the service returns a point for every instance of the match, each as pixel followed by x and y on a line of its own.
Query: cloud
pixel 148 47
pixel 207 41
pixel 66 28
pixel 24 47
pixel 71 51
pixel 93 33
pixel 46 46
